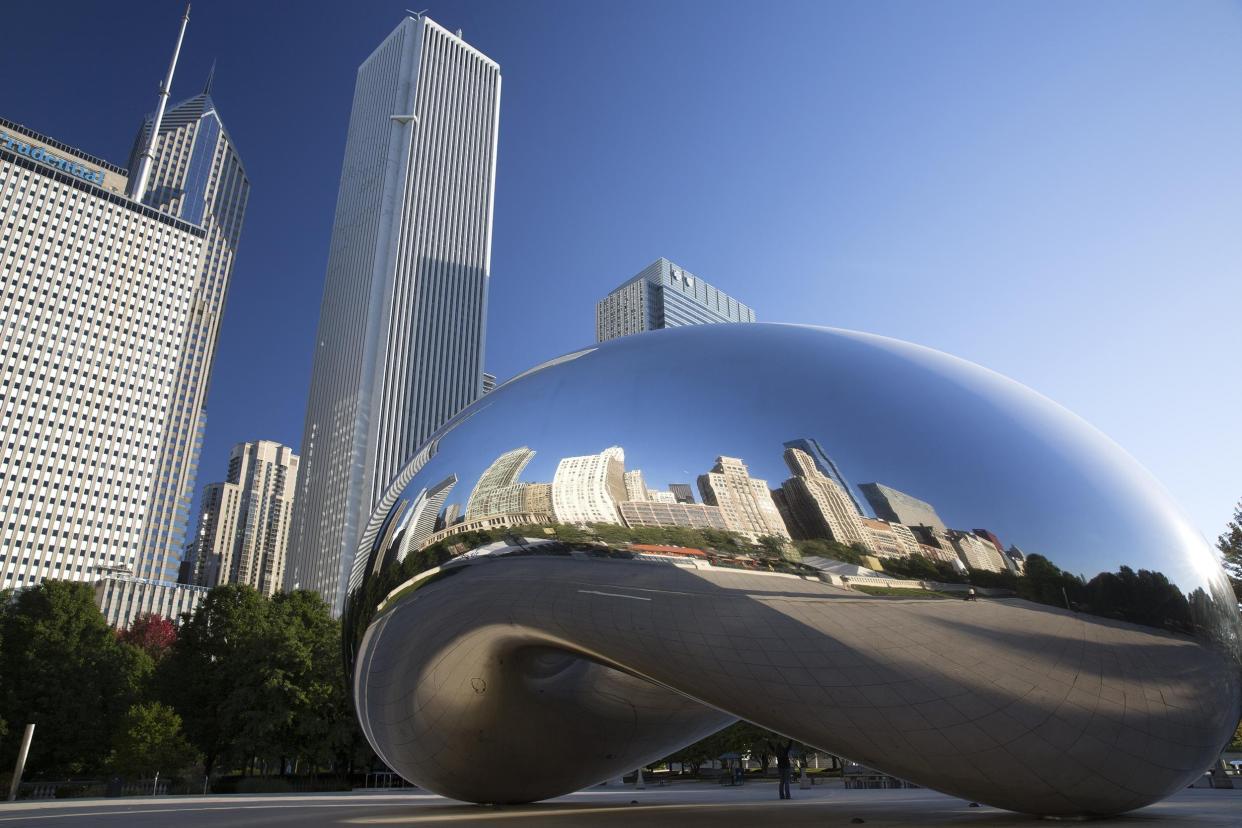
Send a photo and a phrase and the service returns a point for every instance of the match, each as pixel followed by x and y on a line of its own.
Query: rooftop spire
pixel 138 184
pixel 211 78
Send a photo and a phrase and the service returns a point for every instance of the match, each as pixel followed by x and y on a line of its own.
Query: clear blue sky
pixel 1051 189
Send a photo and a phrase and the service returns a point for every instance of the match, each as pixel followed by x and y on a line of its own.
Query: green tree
pixel 63 668
pixel 914 567
pixel 1230 546
pixel 263 679
pixel 819 547
pixel 773 545
pixel 725 740
pixel 1045 583
pixel 741 737
pixel 150 740
pixel 210 675
pixel 304 681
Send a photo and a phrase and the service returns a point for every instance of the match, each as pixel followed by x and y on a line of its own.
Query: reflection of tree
pixel 1230 546
pixel 721 546
pixel 1142 597
pixel 1045 583
pixel 1139 597
pixel 921 568
pixel 363 602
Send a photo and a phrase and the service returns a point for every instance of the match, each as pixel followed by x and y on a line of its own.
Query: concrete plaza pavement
pixel 685 805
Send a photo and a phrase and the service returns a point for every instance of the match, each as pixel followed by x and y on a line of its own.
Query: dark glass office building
pixel 664 295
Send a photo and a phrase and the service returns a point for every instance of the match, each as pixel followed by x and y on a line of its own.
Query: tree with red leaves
pixel 152 633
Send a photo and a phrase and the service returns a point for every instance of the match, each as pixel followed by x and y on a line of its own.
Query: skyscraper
pixel 243 532
pixel 745 501
pixel 112 294
pixel 497 490
pixel 682 492
pixel 588 489
pixel 899 507
pixel 820 504
pixel 399 348
pixel 420 520
pixel 664 295
pixel 977 552
pixel 827 467
pixel 197 175
pixel 635 487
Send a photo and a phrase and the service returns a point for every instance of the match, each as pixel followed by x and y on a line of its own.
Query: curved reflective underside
pixel 623 550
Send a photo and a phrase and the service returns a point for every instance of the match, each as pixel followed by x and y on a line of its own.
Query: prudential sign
pixel 37 153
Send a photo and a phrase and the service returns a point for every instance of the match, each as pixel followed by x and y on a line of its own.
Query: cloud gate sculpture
pixel 628 548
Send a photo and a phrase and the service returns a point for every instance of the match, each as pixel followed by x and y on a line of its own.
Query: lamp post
pixel 21 761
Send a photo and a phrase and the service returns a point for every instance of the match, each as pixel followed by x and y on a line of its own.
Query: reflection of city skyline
pixel 815 503
pixel 975 445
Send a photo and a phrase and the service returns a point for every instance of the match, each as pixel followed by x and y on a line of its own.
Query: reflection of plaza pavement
pixel 1011 702
pixel 685 806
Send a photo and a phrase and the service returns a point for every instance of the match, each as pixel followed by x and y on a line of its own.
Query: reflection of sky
pixel 984 451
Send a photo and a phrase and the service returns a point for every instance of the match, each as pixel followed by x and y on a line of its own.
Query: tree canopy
pixel 63 668
pixel 258 677
pixel 1230 546
pixel 245 678
pixel 150 741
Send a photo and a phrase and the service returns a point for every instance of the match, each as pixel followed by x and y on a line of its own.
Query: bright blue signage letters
pixel 37 153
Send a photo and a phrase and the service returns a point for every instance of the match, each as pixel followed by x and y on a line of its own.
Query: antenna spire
pixel 211 78
pixel 138 184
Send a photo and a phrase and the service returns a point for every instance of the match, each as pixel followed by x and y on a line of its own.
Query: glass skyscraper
pixel 197 176
pixel 399 348
pixel 664 295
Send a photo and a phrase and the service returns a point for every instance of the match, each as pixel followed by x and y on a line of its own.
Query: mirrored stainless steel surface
pixel 625 549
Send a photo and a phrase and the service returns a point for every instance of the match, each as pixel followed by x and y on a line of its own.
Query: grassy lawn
pixel 904 593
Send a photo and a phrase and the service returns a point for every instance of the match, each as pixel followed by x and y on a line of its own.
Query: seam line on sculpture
pixel 613 594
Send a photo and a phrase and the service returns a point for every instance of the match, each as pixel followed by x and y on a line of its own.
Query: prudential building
pixel 399 348
pixel 112 284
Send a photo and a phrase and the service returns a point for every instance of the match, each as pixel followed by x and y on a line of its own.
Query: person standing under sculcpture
pixel 782 764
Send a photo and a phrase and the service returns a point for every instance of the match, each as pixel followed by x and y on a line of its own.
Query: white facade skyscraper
pixel 399 348
pixel 821 505
pixel 110 299
pixel 635 487
pixel 95 303
pixel 589 489
pixel 745 501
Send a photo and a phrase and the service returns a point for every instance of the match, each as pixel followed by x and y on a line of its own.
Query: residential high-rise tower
pixel 745 501
pixel 589 489
pixel 821 506
pixel 498 491
pixel 243 529
pixel 399 349
pixel 827 467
